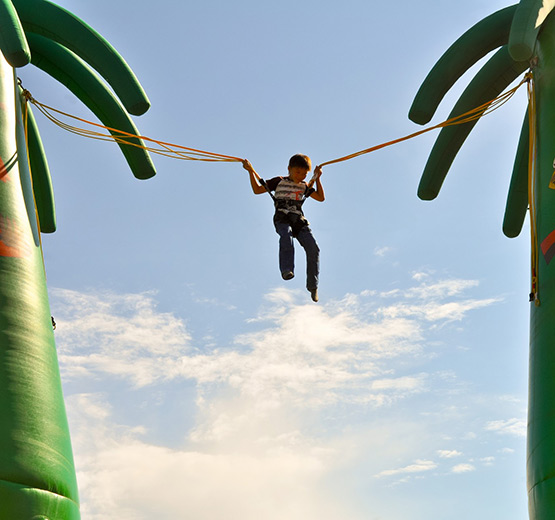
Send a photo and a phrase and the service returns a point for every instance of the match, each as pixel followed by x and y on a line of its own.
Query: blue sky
pixel 198 383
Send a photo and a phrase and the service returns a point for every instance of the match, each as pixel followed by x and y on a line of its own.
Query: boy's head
pixel 300 161
pixel 299 166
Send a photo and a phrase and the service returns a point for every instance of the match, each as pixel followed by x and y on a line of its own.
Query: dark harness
pixel 297 221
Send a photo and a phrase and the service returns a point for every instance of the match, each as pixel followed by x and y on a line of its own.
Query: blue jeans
pixel 287 252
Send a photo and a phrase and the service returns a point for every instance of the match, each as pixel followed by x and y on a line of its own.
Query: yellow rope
pixel 471 115
pixel 185 153
pixel 163 148
pixel 534 293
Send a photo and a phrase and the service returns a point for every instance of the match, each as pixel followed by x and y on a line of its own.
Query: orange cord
pixel 471 115
pixel 183 152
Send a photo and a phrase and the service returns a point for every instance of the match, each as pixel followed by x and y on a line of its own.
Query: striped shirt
pixel 289 196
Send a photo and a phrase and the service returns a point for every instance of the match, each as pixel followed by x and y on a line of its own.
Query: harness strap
pixel 265 186
pixel 308 190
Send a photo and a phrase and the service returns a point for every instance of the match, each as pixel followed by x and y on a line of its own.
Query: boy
pixel 289 220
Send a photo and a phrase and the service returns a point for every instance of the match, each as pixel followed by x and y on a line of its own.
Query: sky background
pixel 198 384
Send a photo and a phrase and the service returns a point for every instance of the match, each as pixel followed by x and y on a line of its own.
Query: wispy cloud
pixel 463 468
pixel 512 426
pixel 310 354
pixel 419 466
pixel 433 311
pixel 437 301
pixel 123 335
pixel 267 403
pixel 382 251
pixel 441 289
pixel 487 461
pixel 449 454
pixel 123 476
pixel 421 276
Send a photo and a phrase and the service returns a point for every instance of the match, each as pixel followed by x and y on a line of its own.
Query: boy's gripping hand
pixel 255 179
pixel 319 193
pixel 248 166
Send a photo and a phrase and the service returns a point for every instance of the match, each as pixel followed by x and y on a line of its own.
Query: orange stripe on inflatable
pixel 548 242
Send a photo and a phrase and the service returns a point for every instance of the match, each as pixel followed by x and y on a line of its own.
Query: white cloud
pixel 512 426
pixel 441 289
pixel 127 478
pixel 420 276
pixel 307 357
pixel 122 335
pixel 427 301
pixel 435 311
pixel 261 401
pixel 419 466
pixel 463 468
pixel 310 354
pixel 448 454
pixel 487 461
pixel 214 302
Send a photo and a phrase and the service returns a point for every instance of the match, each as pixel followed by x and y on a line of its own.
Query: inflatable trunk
pixel 525 33
pixel 37 475
pixel 541 407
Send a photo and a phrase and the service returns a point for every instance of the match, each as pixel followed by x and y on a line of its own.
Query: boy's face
pixel 298 173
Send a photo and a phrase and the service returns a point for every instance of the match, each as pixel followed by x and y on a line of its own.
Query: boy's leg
pixel 307 240
pixel 286 250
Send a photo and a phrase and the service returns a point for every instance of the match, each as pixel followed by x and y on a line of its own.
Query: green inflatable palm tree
pixel 37 474
pixel 525 36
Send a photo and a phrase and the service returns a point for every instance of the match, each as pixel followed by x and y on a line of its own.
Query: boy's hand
pixel 318 172
pixel 257 184
pixel 248 166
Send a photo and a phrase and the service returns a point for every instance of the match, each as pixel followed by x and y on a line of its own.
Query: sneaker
pixel 287 275
pixel 314 295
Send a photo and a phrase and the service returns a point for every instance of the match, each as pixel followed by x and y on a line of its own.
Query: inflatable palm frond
pixel 62 45
pixel 513 31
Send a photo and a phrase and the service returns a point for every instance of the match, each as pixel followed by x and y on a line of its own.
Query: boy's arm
pixel 319 194
pixel 255 185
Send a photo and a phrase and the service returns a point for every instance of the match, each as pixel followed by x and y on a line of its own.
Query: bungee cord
pixel 176 151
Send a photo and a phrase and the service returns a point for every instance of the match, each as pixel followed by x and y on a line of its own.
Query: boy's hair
pixel 301 161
